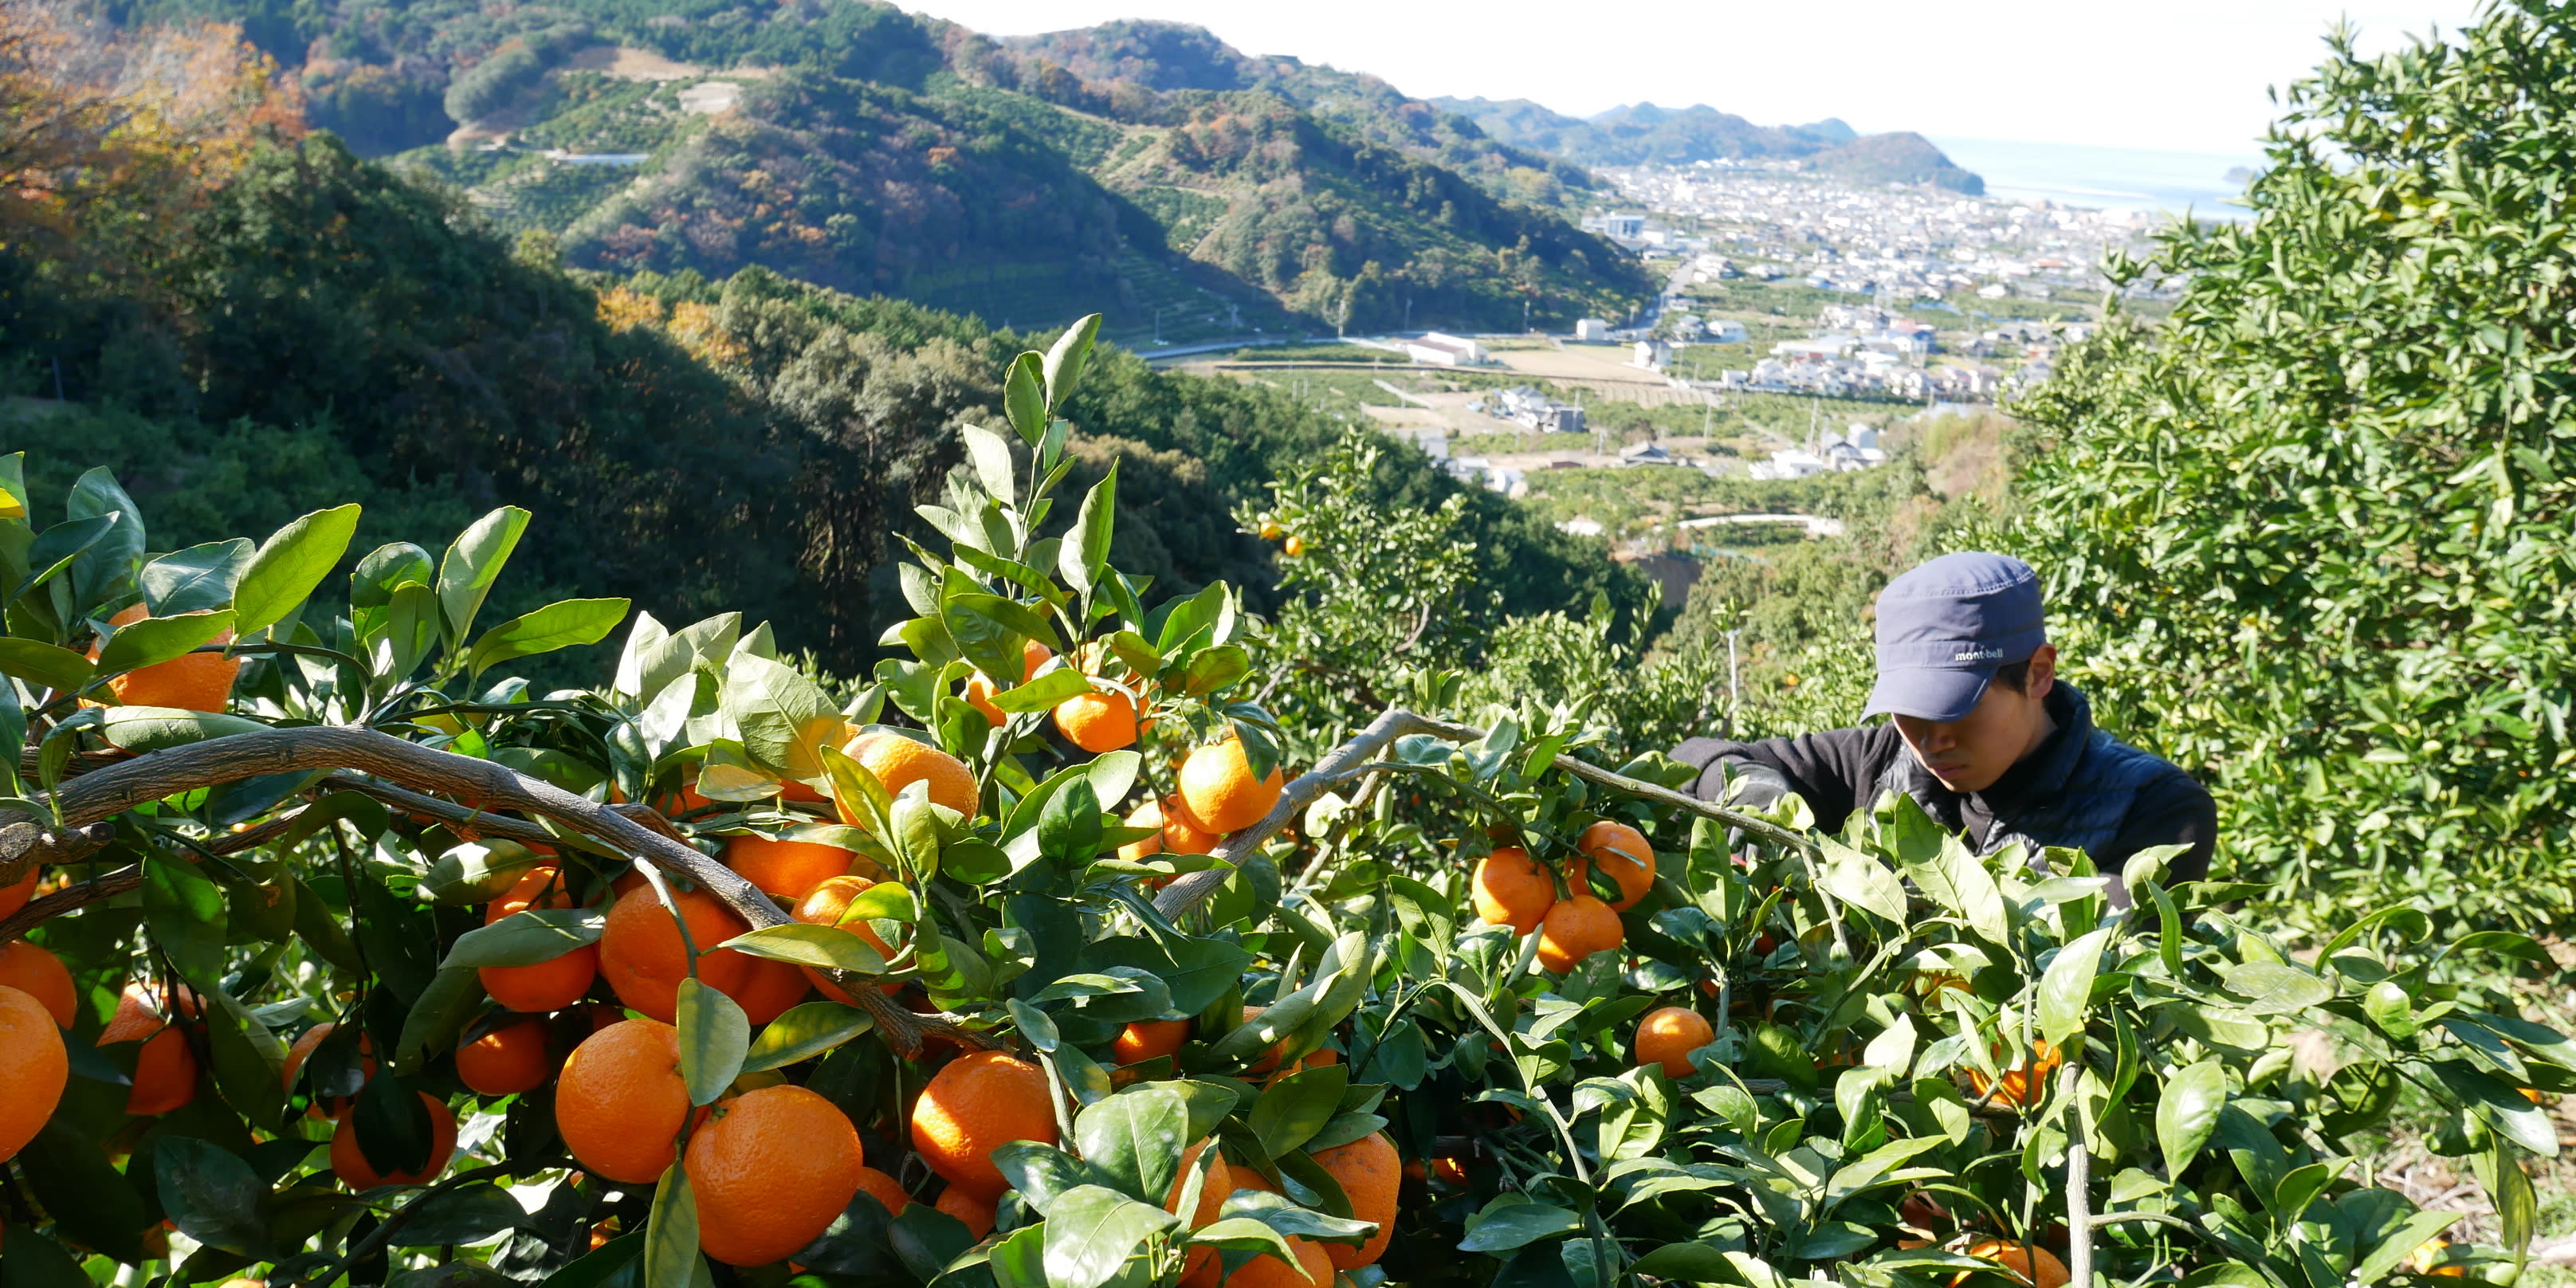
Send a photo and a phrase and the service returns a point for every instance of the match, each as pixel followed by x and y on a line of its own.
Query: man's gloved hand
pixel 1745 784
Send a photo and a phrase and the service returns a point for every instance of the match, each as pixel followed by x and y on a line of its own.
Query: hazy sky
pixel 2188 75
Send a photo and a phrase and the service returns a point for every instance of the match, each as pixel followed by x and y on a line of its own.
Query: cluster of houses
pixel 1856 449
pixel 1532 410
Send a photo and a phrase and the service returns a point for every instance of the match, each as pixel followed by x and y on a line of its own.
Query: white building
pixel 1442 350
pixel 1652 355
pixel 1788 463
pixel 1591 331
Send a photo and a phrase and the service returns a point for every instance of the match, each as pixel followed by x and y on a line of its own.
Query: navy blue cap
pixel 1946 627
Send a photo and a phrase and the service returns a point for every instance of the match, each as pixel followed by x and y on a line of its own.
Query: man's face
pixel 1968 754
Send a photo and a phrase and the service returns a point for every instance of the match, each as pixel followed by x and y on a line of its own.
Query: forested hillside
pixel 1644 134
pixel 243 321
pixel 1142 168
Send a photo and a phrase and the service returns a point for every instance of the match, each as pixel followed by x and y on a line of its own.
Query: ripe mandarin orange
pixel 974 1104
pixel 976 1210
pixel 190 681
pixel 1102 720
pixel 785 870
pixel 2032 1265
pixel 507 1060
pixel 1218 787
pixel 1295 548
pixel 549 985
pixel 1575 929
pixel 350 1164
pixel 2026 1082
pixel 980 687
pixel 42 976
pixel 770 1169
pixel 826 905
pixel 1370 1173
pixel 140 1012
pixel 15 895
pixel 1668 1036
pixel 886 1190
pixel 1213 1193
pixel 1511 889
pixel 1314 1268
pixel 620 1103
pixel 165 1074
pixel 1149 1040
pixel 644 958
pixel 768 989
pixel 33 1068
pixel 1624 856
pixel 899 762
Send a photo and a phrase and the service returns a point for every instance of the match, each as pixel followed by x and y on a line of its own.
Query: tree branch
pixel 481 785
pixel 1184 895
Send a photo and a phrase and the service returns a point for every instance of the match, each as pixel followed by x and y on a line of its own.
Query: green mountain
pixel 1147 169
pixel 1644 134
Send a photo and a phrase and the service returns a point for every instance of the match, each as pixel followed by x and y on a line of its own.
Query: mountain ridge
pixel 1645 134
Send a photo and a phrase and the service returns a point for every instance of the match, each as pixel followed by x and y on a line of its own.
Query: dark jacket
pixel 2082 788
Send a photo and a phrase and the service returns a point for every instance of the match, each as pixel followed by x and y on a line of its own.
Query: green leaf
pixel 715 1035
pixel 822 947
pixel 248 1059
pixel 1134 1140
pixel 392 1126
pixel 212 1196
pixel 2278 989
pixel 990 453
pixel 473 562
pixel 35 1261
pixel 197 579
pixel 1024 399
pixel 2066 990
pixel 148 729
pixel 1091 1230
pixel 106 567
pixel 1083 560
pixel 805 1031
pixel 786 719
pixel 290 565
pixel 671 1234
pixel 43 665
pixel 468 1214
pixel 568 623
pixel 386 569
pixel 1502 1227
pixel 2188 1112
pixel 1864 882
pixel 159 639
pixel 1044 692
pixel 186 914
pixel 435 1022
pixel 527 937
pixel 1294 1108
pixel 1067 357
pixel 91 1202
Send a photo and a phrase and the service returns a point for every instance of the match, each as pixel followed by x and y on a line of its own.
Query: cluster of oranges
pixel 1512 889
pixel 1289 543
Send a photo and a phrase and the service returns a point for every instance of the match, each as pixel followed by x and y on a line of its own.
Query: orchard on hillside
pixel 338 954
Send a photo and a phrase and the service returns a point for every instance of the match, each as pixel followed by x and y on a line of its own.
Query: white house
pixel 1445 350
pixel 1652 355
pixel 1788 463
pixel 1591 330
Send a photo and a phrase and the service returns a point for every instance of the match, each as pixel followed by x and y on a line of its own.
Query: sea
pixel 2105 178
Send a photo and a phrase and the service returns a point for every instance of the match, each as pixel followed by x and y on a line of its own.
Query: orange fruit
pixel 785 870
pixel 507 1060
pixel 968 1206
pixel 1314 1268
pixel 42 976
pixel 644 958
pixel 139 1014
pixel 770 1169
pixel 1271 531
pixel 1102 720
pixel 1511 889
pixel 1449 1170
pixel 1668 1036
pixel 620 1103
pixel 33 1068
pixel 350 1164
pixel 297 1054
pixel 1201 1271
pixel 1622 852
pixel 165 1074
pixel 1575 929
pixel 1294 547
pixel 980 687
pixel 1149 1040
pixel 887 1191
pixel 974 1104
pixel 825 905
pixel 190 681
pixel 16 894
pixel 899 762
pixel 1213 1193
pixel 549 985
pixel 2032 1265
pixel 768 989
pixel 1218 788
pixel 1370 1173
pixel 2026 1083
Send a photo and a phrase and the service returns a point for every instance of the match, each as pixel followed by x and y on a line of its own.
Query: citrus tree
pixel 334 954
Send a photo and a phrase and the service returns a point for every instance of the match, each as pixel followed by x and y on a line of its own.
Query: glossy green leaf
pixel 1134 1140
pixel 527 937
pixel 290 565
pixel 197 579
pixel 804 1032
pixel 569 623
pixel 2187 1113
pixel 1091 1230
pixel 473 562
pixel 715 1036
pixel 159 639
pixel 822 947
pixel 43 665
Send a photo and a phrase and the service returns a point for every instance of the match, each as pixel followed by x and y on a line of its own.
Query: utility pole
pixel 1734 690
pixel 1158 324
